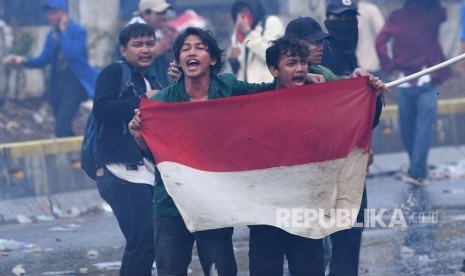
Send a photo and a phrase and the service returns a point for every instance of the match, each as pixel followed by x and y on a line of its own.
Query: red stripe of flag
pixel 313 123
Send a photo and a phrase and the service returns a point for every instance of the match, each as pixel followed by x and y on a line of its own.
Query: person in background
pixel 342 23
pixel 253 30
pixel 156 14
pixel 72 78
pixel 309 31
pixel 371 20
pixel 339 56
pixel 414 32
pixel 124 176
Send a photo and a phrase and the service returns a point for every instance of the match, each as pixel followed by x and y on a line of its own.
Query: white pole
pixel 426 71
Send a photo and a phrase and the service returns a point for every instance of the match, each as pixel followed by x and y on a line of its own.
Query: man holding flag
pixel 287 62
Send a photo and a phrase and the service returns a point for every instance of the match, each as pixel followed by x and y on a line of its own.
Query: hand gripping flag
pixel 293 158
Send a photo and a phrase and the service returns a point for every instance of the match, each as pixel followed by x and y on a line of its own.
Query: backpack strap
pixel 126 79
pixel 126 83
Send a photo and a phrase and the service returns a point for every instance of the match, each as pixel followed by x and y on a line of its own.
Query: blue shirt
pixel 72 42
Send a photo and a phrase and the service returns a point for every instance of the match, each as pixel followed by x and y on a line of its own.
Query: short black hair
pixel 285 45
pixel 254 6
pixel 207 38
pixel 135 30
pixel 237 8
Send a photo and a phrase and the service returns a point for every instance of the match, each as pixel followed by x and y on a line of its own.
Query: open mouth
pixel 146 59
pixel 192 64
pixel 298 80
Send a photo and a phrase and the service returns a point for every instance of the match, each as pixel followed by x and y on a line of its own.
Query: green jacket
pixel 221 86
pixel 328 74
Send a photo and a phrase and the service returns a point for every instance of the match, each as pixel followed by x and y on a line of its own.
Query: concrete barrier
pixel 42 168
pixel 44 178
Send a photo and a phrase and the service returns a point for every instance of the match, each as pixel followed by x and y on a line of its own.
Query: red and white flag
pixel 293 158
pixel 187 19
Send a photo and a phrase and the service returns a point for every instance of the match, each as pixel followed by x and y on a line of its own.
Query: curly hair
pixel 285 45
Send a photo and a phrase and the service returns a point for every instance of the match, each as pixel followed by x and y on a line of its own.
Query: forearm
pixel 44 58
pixel 142 144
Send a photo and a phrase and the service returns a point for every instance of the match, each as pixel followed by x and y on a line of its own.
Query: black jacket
pixel 116 144
pixel 340 64
pixel 333 58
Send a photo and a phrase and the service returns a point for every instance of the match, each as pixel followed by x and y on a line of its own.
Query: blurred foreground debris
pixel 449 171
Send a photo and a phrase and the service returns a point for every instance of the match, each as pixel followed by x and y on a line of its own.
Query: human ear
pixel 273 71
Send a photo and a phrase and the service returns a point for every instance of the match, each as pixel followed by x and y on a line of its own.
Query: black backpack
pixel 94 128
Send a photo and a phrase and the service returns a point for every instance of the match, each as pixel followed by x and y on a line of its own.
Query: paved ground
pixel 433 242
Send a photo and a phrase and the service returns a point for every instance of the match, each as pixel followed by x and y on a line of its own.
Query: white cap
pixel 154 5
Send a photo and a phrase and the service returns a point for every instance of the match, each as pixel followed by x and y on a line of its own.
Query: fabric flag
pixel 292 158
pixel 188 19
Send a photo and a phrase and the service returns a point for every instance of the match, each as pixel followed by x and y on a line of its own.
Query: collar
pixel 214 88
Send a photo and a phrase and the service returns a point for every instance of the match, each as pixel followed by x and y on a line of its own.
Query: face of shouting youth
pixel 291 71
pixel 140 51
pixel 194 58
